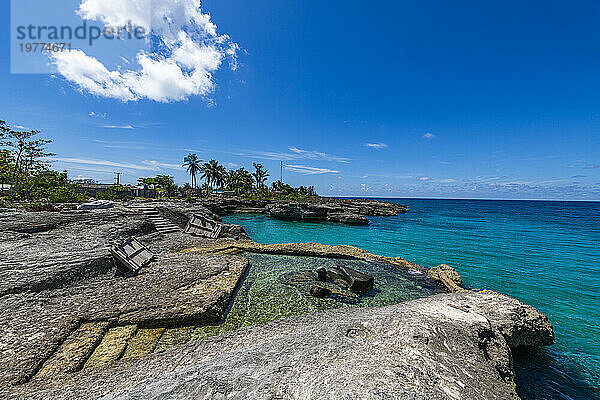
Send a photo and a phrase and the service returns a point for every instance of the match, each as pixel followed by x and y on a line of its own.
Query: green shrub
pixel 5 203
pixel 107 195
pixel 65 194
pixel 39 206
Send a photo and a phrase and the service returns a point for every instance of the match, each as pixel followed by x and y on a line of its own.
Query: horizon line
pixel 464 198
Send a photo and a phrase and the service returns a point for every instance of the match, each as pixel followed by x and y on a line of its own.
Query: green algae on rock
pixel 278 286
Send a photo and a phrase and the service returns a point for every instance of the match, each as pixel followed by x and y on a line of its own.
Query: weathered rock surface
pixel 40 251
pixel 450 346
pixel 57 275
pixel 447 277
pixel 314 212
pixel 96 205
pixel 180 213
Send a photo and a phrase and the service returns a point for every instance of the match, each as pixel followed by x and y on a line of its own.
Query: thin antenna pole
pixel 281 175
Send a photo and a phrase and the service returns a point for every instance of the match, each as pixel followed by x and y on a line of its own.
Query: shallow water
pixel 278 287
pixel 546 254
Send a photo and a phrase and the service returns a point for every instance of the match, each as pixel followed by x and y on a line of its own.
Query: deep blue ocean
pixel 544 253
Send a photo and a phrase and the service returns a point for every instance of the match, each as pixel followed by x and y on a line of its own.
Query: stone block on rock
pixel 203 227
pixel 131 255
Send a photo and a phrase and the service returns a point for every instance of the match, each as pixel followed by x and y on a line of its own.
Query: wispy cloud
pixel 293 154
pixel 105 163
pixel 158 165
pixel 316 155
pixel 118 126
pixel 376 146
pixel 592 166
pixel 306 170
pixel 428 135
pixel 424 178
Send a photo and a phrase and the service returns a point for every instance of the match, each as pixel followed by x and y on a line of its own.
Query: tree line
pixel 25 175
pixel 238 181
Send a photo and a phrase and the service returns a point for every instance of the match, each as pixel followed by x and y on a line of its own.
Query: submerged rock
pixel 319 291
pixel 352 279
pixel 449 346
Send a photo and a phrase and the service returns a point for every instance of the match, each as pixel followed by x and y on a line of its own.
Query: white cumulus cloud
pixel 190 52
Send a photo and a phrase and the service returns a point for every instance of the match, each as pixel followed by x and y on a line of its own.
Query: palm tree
pixel 192 162
pixel 239 181
pixel 220 175
pixel 260 175
pixel 205 173
pixel 214 173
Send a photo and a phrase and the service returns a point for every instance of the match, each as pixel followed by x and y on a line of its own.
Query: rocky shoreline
pixel 321 209
pixel 73 327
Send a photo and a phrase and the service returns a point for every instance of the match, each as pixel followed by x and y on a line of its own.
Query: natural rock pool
pixel 278 286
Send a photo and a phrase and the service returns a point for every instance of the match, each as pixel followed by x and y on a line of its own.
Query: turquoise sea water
pixel 546 254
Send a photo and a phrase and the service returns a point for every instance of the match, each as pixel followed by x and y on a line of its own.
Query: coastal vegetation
pixel 27 179
pixel 25 174
pixel 241 182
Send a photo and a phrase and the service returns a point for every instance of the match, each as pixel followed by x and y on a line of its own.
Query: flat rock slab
pixel 73 353
pixel 112 347
pixel 48 250
pixel 449 346
pixel 179 288
pixel 143 342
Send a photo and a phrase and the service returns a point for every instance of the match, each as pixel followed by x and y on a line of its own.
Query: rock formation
pixel 451 346
pixel 73 328
pixel 57 274
pixel 346 211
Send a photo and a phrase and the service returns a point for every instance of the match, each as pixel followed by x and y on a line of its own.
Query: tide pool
pixel 546 254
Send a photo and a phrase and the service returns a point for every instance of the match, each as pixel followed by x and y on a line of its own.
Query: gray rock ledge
pixel 449 346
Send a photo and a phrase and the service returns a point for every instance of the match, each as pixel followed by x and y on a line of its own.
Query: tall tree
pixel 260 175
pixel 27 154
pixel 193 164
pixel 240 181
pixel 214 173
pixel 220 175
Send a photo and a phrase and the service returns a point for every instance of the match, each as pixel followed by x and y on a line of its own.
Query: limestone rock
pixel 314 212
pixel 346 211
pixel 449 346
pixel 348 218
pixel 57 274
pixel 46 250
pixel 96 205
pixel 180 213
pixel 319 291
pixel 447 277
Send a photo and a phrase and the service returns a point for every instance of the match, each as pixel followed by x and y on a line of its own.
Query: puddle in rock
pixel 279 287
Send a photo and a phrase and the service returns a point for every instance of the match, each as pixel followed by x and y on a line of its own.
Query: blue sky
pixel 392 99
